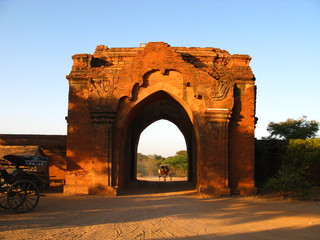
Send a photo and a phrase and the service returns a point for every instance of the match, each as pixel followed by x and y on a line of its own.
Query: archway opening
pixel 157 106
pixel 161 145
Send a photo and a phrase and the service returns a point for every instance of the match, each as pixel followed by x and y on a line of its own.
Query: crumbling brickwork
pixel 115 93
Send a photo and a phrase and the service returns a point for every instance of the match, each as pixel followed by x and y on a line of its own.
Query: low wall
pixel 267 155
pixel 52 146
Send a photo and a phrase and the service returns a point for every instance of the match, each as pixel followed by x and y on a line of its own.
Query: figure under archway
pixel 162 143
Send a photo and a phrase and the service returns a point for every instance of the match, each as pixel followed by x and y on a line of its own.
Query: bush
pixel 302 153
pixel 148 165
pixel 292 178
pixel 289 181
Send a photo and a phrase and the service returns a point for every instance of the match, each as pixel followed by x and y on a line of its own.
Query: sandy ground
pixel 163 211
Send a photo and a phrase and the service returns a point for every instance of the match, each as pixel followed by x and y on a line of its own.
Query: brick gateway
pixel 115 93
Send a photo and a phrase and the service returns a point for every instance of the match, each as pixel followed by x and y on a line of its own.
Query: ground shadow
pixel 178 210
pixel 140 187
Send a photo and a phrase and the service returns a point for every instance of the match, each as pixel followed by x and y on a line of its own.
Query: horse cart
pixel 164 172
pixel 20 187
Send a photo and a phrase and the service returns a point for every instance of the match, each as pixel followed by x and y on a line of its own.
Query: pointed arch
pixel 158 105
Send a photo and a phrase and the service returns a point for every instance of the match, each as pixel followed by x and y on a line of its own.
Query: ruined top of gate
pixel 113 73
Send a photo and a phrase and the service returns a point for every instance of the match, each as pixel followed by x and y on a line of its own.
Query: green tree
pixel 293 129
pixel 178 163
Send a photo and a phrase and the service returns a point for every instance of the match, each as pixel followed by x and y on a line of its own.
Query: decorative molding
pixel 102 117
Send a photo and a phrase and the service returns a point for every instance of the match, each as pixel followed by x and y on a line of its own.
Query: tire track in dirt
pixel 159 216
pixel 163 212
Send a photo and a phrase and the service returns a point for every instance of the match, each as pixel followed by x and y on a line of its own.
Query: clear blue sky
pixel 38 39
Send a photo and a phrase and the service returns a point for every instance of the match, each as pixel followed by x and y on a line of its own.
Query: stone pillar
pixel 79 164
pixel 102 153
pixel 241 140
pixel 217 151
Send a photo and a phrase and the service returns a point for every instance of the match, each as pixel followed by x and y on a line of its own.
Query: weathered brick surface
pixel 114 94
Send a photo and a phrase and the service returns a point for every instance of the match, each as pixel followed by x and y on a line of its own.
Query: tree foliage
pixel 178 163
pixel 302 153
pixel 148 165
pixel 293 129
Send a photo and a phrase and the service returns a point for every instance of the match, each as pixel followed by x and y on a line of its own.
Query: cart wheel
pixel 4 187
pixel 23 196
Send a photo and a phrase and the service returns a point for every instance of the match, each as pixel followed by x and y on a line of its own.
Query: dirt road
pixel 158 214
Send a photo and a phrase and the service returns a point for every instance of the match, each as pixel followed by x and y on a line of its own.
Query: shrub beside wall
pixel 288 167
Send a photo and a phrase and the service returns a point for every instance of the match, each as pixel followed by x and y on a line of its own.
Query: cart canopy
pixel 26 160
